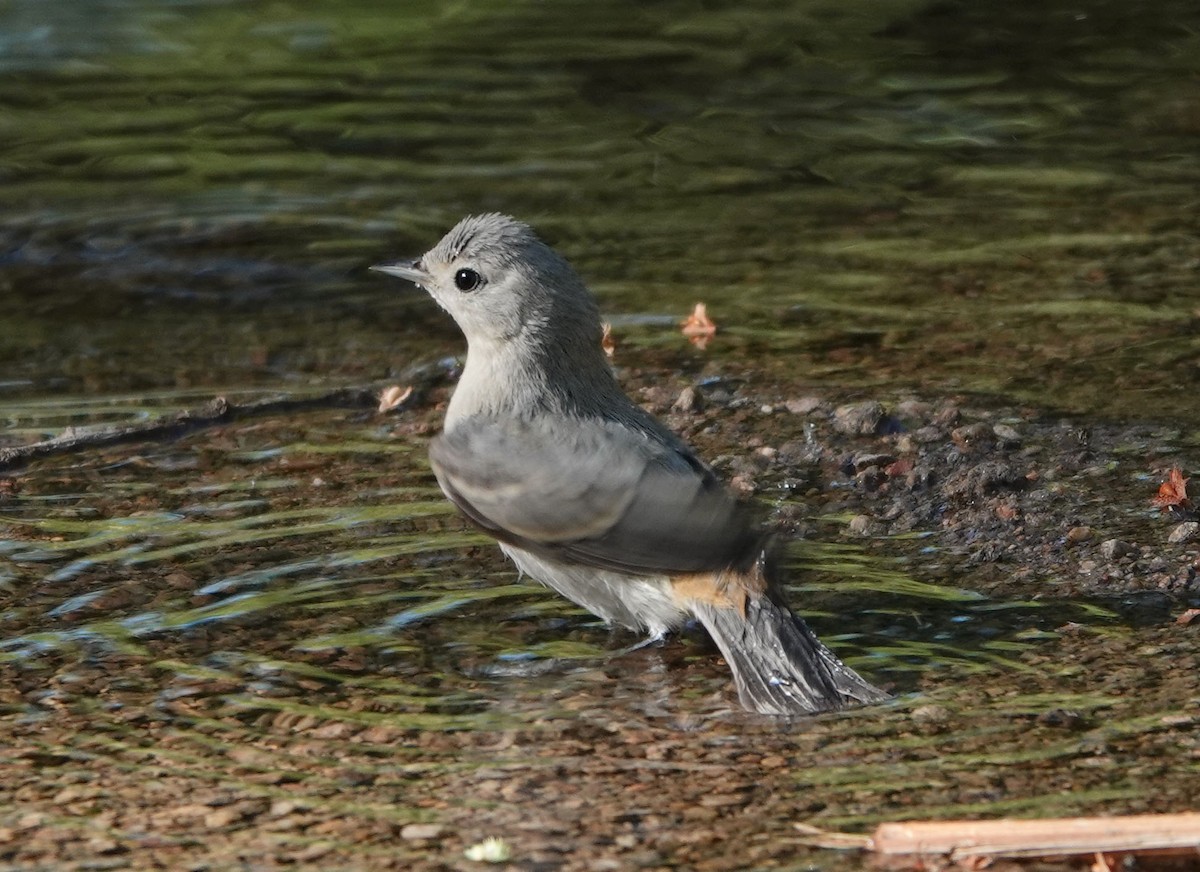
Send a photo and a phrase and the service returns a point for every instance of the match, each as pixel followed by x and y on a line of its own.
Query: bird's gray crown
pixel 492 233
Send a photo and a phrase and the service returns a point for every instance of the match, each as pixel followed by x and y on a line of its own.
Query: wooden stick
pixel 1174 833
pixel 217 411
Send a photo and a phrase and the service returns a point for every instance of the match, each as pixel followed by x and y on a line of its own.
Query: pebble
pixel 863 419
pixel 947 416
pixel 930 714
pixel 315 851
pixel 222 817
pixel 1113 549
pixel 914 409
pixel 804 405
pixel 414 832
pixel 1079 534
pixel 867 460
pixel 969 435
pixel 861 525
pixel 1007 435
pixel 689 400
pixel 927 435
pixel 1184 532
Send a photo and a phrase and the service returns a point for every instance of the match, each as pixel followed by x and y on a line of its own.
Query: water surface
pixel 987 203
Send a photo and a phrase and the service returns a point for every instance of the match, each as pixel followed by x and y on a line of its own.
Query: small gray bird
pixel 590 494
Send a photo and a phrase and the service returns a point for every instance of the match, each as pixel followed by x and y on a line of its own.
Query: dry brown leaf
pixel 606 340
pixel 1172 493
pixel 1187 617
pixel 698 327
pixel 393 396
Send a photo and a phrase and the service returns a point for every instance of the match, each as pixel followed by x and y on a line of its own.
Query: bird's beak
pixel 406 269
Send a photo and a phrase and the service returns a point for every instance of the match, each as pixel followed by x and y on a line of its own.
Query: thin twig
pixel 217 411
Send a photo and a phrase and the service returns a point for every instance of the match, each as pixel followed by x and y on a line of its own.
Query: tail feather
pixel 779 665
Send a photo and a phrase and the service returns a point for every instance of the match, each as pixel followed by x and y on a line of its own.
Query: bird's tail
pixel 779 665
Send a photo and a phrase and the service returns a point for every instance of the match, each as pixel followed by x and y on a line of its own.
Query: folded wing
pixel 593 492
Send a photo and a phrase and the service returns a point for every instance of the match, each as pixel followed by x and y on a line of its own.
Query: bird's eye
pixel 467 280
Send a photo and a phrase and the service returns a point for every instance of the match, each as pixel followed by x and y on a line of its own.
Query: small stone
pixel 969 435
pixel 315 851
pixel 415 832
pixel 930 714
pixel 743 484
pixel 861 525
pixel 1079 534
pixel 222 817
pixel 1184 532
pixel 104 845
pixel 689 400
pixel 947 416
pixel 863 419
pixel 1007 435
pixel 868 460
pixel 911 409
pixel 333 730
pixel 804 405
pixel 1114 549
pixel 926 435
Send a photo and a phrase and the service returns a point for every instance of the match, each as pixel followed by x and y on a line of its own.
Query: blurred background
pixel 991 198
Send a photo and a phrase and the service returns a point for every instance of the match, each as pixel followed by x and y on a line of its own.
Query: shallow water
pixel 994 202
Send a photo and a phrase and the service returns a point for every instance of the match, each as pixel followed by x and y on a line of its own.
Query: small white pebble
pixel 1185 532
pixel 490 850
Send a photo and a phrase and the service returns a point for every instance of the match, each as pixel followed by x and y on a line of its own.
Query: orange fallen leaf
pixel 698 327
pixel 393 396
pixel 606 339
pixel 1172 493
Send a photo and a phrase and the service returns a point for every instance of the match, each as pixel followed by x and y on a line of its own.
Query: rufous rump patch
pixel 725 590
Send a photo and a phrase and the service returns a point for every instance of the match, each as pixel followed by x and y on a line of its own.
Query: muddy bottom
pixel 273 643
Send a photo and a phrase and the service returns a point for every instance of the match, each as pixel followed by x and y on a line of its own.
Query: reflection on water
pixel 315 537
pixel 991 198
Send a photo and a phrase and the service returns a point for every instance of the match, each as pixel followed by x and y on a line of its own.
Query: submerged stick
pixel 1154 833
pixel 217 411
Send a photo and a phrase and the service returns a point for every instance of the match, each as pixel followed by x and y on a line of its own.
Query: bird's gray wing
pixel 593 492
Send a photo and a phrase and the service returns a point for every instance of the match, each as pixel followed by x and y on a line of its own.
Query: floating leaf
pixel 393 396
pixel 1172 493
pixel 698 327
